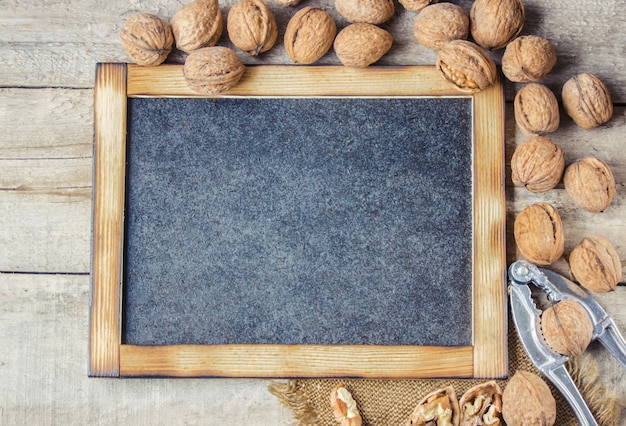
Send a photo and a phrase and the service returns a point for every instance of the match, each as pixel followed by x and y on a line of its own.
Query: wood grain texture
pixel 296 361
pixel 108 212
pixel 59 45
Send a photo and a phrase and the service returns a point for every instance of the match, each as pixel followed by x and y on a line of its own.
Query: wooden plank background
pixel 49 50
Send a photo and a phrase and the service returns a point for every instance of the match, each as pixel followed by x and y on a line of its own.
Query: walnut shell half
pixel 481 405
pixel 212 70
pixel 536 110
pixel 496 22
pixel 252 26
pixel 537 164
pixel 368 11
pixel 528 58
pixel 567 328
pixel 309 35
pixel 527 400
pixel 596 264
pixel 439 24
pixel 440 407
pixel 197 24
pixel 466 65
pixel 538 232
pixel 147 39
pixel 587 100
pixel 590 184
pixel 360 45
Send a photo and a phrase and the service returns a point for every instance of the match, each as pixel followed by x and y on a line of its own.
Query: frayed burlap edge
pixel 294 397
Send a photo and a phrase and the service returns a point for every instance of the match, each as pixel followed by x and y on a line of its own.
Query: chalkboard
pixel 334 233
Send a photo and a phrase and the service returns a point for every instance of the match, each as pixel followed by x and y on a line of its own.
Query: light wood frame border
pixel 485 358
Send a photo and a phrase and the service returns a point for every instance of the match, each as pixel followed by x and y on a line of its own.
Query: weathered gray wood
pixel 43 365
pixel 58 43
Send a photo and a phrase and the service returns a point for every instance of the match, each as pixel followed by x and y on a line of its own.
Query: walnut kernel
pixel 440 407
pixel 197 24
pixel 252 26
pixel 309 35
pixel 527 400
pixel 360 45
pixel 367 11
pixel 538 232
pixel 590 184
pixel 496 22
pixel 439 24
pixel 528 58
pixel 537 164
pixel 344 407
pixel 466 65
pixel 481 405
pixel 212 70
pixel 147 39
pixel 587 100
pixel 596 264
pixel 536 110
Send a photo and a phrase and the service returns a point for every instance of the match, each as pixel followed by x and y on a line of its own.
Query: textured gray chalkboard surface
pixel 298 221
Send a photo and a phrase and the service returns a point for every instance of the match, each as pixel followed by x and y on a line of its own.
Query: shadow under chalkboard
pixel 298 221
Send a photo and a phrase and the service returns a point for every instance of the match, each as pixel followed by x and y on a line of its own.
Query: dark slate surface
pixel 298 221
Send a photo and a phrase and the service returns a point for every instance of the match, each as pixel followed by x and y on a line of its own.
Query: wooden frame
pixel 486 358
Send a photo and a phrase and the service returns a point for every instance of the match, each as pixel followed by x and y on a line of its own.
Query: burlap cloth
pixel 391 402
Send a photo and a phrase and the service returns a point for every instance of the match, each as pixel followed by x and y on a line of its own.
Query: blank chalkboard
pixel 335 233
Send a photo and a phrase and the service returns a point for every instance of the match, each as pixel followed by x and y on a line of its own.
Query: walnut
pixel 360 45
pixel 285 3
pixel 527 400
pixel 440 407
pixel 537 164
pixel 416 5
pixel 466 65
pixel 309 35
pixel 596 264
pixel 198 24
pixel 147 39
pixel 528 58
pixel 252 27
pixel 590 184
pixel 567 327
pixel 496 22
pixel 439 24
pixel 481 405
pixel 212 70
pixel 536 110
pixel 368 11
pixel 587 100
pixel 538 232
pixel 344 407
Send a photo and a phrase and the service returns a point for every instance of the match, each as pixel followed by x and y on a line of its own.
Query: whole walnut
pixel 212 70
pixel 567 327
pixel 252 27
pixel 466 65
pixel 587 100
pixel 596 264
pixel 536 110
pixel 360 45
pixel 494 23
pixel 528 58
pixel 590 184
pixel 528 401
pixel 416 5
pixel 367 11
pixel 147 39
pixel 538 233
pixel 439 24
pixel 197 24
pixel 309 35
pixel 537 164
